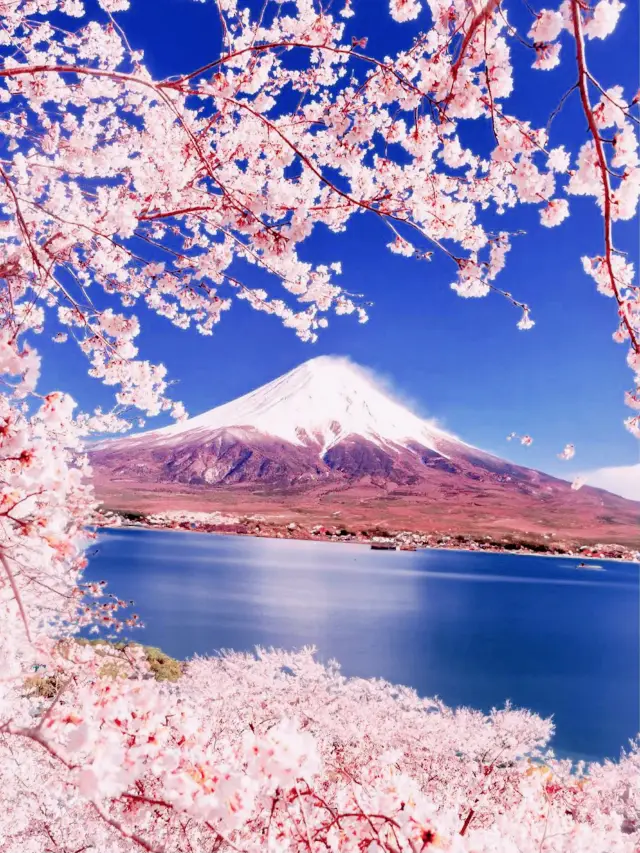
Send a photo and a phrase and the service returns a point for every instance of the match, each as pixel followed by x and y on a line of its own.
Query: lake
pixel 472 628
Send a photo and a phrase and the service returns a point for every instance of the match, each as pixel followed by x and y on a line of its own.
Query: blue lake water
pixel 474 629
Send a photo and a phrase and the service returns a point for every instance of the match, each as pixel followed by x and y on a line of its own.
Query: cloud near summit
pixel 622 480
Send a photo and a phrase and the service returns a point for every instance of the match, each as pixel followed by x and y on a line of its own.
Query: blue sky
pixel 463 362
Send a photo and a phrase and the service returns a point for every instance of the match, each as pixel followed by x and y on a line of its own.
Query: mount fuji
pixel 326 439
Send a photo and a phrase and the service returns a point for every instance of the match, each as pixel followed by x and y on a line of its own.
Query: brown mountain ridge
pixel 325 441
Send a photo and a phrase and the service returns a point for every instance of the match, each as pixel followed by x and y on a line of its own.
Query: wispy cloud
pixel 622 480
pixel 389 385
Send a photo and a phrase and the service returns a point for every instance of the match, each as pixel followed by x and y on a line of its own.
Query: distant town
pixel 376 537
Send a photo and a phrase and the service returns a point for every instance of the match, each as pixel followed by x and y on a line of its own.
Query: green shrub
pixel 163 667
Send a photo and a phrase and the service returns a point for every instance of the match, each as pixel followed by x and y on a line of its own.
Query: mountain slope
pixel 320 402
pixel 325 438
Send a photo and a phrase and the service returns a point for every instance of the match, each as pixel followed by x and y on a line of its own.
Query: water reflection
pixel 475 629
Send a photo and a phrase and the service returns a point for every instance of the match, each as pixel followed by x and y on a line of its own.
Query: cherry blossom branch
pixel 483 14
pixel 583 78
pixel 16 592
pixel 125 832
pixel 467 822
pixel 287 45
pixel 607 96
pixel 332 186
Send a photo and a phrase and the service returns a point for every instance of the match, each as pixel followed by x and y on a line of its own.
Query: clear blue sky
pixel 461 361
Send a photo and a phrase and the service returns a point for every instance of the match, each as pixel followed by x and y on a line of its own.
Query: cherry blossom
pixel 559 159
pixel 525 322
pixel 276 751
pixel 547 56
pixel 547 27
pixel 254 183
pixel 404 10
pixel 603 19
pixel 525 440
pixel 568 452
pixel 120 190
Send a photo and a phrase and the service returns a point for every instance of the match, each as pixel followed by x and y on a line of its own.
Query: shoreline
pixel 494 549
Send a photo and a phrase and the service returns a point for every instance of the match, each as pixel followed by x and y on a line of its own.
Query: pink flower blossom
pixel 114 5
pixel 404 10
pixel 604 19
pixel 109 169
pixel 526 322
pixel 558 160
pixel 568 452
pixel 525 440
pixel 611 108
pixel 547 56
pixel 555 212
pixel 547 26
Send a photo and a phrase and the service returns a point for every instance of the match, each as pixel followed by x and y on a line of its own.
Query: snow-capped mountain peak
pixel 322 402
pixel 327 438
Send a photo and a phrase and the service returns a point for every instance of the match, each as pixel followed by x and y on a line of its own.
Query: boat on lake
pixel 594 567
pixel 383 546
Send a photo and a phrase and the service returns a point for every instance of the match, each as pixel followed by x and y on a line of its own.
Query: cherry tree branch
pixel 583 83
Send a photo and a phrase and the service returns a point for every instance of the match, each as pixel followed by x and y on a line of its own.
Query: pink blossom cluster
pixel 278 752
pixel 166 193
pixel 117 189
pixel 268 752
pixel 568 452
pixel 525 440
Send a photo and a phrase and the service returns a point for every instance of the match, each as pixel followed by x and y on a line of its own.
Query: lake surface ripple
pixel 472 628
